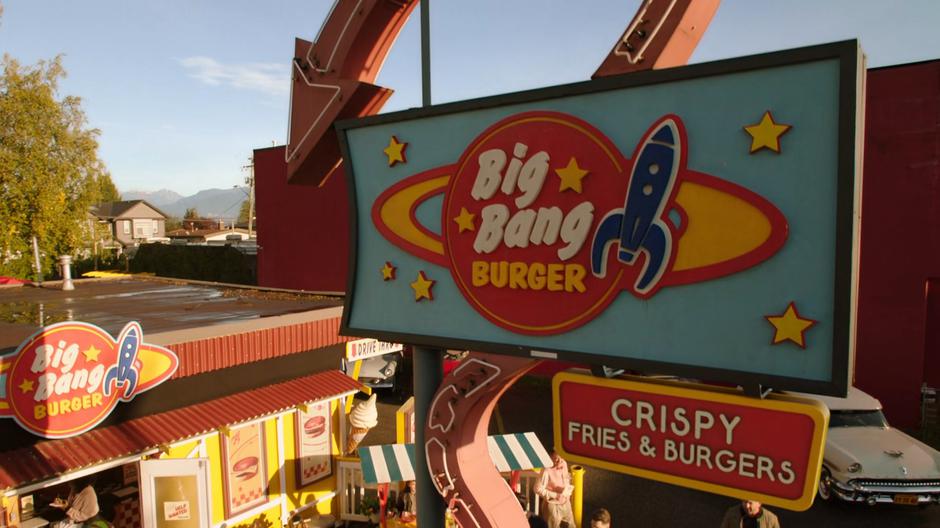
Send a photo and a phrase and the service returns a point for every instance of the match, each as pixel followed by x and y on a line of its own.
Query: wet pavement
pixel 158 304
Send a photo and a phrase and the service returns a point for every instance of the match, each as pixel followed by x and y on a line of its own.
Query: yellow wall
pixel 294 497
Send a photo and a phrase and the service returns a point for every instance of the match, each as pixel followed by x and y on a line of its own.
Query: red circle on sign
pixel 58 398
pixel 537 279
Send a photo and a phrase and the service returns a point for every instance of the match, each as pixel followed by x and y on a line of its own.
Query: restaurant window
pixel 174 493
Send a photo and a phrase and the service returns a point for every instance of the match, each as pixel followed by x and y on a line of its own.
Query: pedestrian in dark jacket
pixel 749 514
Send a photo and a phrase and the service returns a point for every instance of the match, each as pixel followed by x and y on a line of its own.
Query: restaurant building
pixel 245 431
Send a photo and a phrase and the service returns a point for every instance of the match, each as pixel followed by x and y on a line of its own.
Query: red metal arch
pixel 332 78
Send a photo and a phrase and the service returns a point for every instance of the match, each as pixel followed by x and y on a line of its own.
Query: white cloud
pixel 269 78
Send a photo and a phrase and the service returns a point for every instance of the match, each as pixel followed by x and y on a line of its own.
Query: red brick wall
pixel 900 247
pixel 303 230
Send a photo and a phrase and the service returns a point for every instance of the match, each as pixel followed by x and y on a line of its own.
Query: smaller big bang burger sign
pixel 68 377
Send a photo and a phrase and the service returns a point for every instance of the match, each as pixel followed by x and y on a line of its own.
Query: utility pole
pixel 250 180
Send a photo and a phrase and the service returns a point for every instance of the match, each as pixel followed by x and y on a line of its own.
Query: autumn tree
pixel 50 173
pixel 107 191
pixel 243 212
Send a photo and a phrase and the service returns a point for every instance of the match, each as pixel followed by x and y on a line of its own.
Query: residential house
pixel 132 222
pixel 208 236
pixel 203 224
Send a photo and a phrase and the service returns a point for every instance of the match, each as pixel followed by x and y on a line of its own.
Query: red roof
pixel 47 459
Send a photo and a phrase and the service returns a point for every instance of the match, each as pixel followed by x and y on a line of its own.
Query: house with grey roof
pixel 132 222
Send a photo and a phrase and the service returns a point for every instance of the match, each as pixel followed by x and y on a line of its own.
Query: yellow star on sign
pixel 388 271
pixel 395 151
pixel 790 326
pixel 571 176
pixel 91 354
pixel 422 287
pixel 766 134
pixel 465 220
pixel 26 386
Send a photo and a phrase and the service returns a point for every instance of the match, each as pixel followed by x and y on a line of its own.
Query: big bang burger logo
pixel 545 222
pixel 68 377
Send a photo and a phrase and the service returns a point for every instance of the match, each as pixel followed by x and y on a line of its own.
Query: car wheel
pixel 825 485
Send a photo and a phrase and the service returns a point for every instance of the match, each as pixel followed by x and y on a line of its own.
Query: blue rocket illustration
pixel 124 372
pixel 639 226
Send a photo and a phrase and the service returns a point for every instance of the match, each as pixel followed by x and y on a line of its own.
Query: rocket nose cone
pixel 665 134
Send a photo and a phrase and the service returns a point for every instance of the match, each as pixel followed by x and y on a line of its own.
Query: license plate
pixel 905 499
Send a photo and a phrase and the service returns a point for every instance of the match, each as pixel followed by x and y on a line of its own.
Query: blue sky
pixel 182 91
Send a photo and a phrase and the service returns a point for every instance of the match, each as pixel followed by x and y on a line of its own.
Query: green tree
pixel 107 191
pixel 173 223
pixel 49 168
pixel 243 214
pixel 191 214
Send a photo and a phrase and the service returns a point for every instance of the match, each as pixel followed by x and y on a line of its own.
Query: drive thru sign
pixel 694 436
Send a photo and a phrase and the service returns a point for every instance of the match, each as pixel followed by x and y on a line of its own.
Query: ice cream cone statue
pixel 363 417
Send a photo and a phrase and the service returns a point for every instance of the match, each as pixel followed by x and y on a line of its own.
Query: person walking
pixel 554 487
pixel 749 514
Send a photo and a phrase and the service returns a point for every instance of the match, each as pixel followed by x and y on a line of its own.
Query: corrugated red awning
pixel 20 467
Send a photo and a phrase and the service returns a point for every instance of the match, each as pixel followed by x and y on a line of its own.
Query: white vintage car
pixel 867 460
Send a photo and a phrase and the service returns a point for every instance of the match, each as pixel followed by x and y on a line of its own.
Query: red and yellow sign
pixel 545 222
pixel 694 436
pixel 68 377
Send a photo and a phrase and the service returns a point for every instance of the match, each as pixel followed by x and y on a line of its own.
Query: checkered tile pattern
pixel 316 470
pixel 127 514
pixel 246 497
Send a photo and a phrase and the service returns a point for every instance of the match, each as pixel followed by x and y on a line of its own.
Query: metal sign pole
pixel 428 362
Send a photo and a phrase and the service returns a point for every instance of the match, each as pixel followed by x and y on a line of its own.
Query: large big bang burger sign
pixel 545 222
pixel 68 377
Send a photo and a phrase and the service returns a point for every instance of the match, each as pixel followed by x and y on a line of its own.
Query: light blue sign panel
pixel 695 221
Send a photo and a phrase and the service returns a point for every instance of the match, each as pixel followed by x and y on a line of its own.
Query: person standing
pixel 81 505
pixel 749 514
pixel 554 487
pixel 408 504
pixel 600 518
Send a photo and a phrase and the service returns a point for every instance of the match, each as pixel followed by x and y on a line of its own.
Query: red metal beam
pixel 662 34
pixel 332 79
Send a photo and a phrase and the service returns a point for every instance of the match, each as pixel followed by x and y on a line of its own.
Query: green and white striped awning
pixel 387 463
pixel 395 462
pixel 518 451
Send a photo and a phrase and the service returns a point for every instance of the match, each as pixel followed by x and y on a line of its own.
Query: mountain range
pixel 209 203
